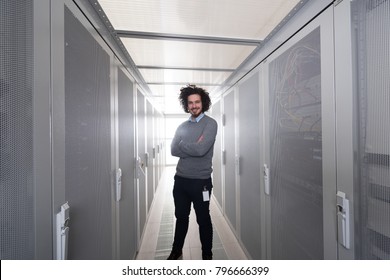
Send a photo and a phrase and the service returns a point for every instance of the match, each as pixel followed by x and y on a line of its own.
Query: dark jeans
pixel 186 191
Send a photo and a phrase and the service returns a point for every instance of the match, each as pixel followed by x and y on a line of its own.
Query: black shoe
pixel 207 257
pixel 175 255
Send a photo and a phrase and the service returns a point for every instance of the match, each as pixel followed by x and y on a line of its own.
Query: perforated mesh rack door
pixel 296 149
pixel 87 143
pixel 16 130
pixel 372 20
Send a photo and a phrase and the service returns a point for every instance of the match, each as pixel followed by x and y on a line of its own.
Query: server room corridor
pixel 89 106
pixel 158 237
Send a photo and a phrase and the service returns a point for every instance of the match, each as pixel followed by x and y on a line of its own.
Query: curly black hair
pixel 193 89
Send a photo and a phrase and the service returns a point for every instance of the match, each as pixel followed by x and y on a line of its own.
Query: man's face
pixel 195 105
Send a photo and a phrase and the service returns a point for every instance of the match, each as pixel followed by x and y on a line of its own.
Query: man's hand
pixel 200 139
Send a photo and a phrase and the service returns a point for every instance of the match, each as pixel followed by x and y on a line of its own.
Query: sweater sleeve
pixel 175 149
pixel 199 149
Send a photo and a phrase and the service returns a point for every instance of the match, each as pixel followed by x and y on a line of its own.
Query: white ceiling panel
pixel 184 76
pixel 249 19
pixel 185 54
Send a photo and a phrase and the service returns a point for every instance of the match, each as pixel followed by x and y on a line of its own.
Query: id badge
pixel 206 195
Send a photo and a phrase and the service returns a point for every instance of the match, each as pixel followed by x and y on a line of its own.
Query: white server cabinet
pixel 93 139
pixel 218 155
pixel 301 159
pixel 19 139
pixel 141 161
pixel 127 205
pixel 150 162
pixel 362 60
pixel 87 141
pixel 230 159
pixel 250 153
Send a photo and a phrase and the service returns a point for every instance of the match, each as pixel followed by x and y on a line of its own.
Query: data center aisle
pixel 157 240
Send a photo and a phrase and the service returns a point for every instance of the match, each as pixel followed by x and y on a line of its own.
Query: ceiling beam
pixel 188 38
pixel 185 68
pixel 180 84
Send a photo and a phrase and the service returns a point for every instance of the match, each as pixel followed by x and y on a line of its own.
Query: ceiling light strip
pixel 186 68
pixel 188 38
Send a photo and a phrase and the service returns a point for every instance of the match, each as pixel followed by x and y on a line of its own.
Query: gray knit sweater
pixel 195 156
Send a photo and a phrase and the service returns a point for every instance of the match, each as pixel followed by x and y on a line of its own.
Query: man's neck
pixel 197 118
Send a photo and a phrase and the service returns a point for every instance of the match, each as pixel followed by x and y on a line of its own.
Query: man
pixel 194 145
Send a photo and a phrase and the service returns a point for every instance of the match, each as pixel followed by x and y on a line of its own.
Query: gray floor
pixel 158 237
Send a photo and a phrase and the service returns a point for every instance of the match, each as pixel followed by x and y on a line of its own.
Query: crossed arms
pixel 200 147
